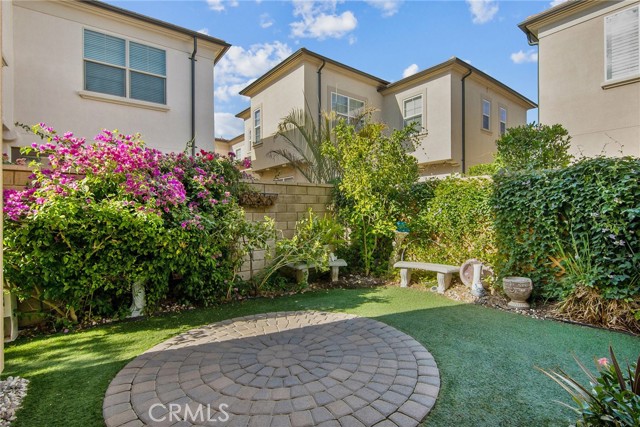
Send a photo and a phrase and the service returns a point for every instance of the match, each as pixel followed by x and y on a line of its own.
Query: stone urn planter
pixel 518 289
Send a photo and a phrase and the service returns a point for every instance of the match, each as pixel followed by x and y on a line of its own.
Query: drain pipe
pixel 464 123
pixel 193 96
pixel 320 100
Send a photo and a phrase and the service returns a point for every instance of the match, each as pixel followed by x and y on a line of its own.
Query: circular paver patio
pixel 278 369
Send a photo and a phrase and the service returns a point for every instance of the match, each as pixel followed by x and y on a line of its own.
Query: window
pixel 622 39
pixel 238 153
pixel 345 107
pixel 503 120
pixel 257 125
pixel 486 114
pixel 124 68
pixel 412 111
pixel 283 179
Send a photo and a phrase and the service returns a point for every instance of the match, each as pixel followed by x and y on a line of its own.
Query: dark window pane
pixel 104 79
pixel 147 88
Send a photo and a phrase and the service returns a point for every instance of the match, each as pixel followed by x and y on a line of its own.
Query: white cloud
pixel 522 57
pixel 319 20
pixel 352 39
pixel 265 20
pixel 410 70
pixel 556 2
pixel 227 125
pixel 239 67
pixel 219 5
pixel 468 61
pixel 204 31
pixel 388 7
pixel 483 11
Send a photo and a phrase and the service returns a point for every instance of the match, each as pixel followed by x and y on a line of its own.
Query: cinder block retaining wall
pixel 291 204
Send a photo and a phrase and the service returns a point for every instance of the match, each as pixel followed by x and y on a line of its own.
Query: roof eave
pixel 115 9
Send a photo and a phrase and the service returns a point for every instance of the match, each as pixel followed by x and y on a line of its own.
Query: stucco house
pixel 589 73
pixel 463 109
pixel 87 65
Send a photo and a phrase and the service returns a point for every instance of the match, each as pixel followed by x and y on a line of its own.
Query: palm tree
pixel 305 139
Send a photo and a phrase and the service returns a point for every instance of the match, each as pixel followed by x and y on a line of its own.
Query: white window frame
pixel 488 115
pixel 238 153
pixel 283 179
pixel 506 117
pixel 350 113
pixel 608 79
pixel 127 69
pixel 406 118
pixel 257 128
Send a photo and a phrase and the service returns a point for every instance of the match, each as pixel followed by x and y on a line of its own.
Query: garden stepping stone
pixel 281 369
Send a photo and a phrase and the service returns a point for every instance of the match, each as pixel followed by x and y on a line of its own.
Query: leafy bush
pixel 484 169
pixel 456 224
pixel 314 238
pixel 376 173
pixel 103 216
pixel 534 147
pixel 612 397
pixel 592 204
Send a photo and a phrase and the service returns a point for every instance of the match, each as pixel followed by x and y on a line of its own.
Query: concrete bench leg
pixel 444 280
pixel 335 271
pixel 302 275
pixel 405 277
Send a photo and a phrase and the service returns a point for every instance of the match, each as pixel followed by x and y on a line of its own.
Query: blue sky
pixel 389 39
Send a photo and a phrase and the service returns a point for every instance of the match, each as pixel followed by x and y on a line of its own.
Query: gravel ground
pixel 12 391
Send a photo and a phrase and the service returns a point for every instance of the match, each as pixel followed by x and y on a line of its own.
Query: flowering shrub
pixel 103 216
pixel 612 397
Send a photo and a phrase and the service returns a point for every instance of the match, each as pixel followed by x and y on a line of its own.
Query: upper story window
pixel 486 114
pixel 238 153
pixel 257 126
pixel 503 120
pixel 346 107
pixel 412 111
pixel 622 40
pixel 124 68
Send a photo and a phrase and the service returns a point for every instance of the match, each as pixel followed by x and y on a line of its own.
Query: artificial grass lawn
pixel 486 357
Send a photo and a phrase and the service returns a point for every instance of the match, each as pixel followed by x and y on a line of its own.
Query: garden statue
pixel 137 307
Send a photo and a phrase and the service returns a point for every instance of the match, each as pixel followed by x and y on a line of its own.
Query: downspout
pixel 193 95
pixel 464 123
pixel 320 100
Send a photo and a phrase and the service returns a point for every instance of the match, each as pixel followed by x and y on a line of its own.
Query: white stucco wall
pixel 48 77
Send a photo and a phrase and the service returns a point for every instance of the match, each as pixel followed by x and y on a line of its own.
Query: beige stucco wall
pixel 46 62
pixel 600 120
pixel 436 146
pixel 480 144
pixel 1 198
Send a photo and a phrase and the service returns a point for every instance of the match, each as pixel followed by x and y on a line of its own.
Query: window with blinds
pixel 124 68
pixel 622 38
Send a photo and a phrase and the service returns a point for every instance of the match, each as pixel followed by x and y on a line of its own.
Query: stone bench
pixel 302 269
pixel 444 272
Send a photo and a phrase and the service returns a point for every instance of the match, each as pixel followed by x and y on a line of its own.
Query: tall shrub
pixel 455 224
pixel 534 146
pixel 376 172
pixel 103 216
pixel 589 209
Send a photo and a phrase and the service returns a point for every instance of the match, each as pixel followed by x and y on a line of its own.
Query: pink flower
pixel 603 362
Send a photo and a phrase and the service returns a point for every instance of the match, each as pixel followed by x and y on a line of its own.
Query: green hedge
pixel 589 212
pixel 455 224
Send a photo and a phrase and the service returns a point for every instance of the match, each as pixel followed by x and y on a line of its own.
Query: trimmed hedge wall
pixel 590 209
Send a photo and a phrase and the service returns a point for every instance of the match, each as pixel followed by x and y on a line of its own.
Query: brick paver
pixel 281 369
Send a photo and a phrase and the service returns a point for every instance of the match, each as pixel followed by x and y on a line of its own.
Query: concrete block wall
pixel 15 177
pixel 292 204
